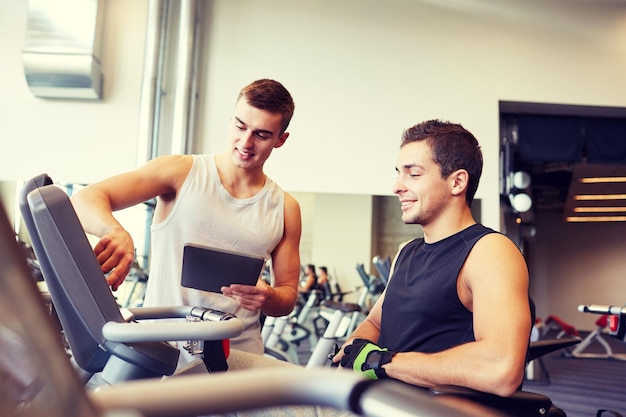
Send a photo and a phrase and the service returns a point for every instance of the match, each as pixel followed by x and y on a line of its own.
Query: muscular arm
pixel 494 285
pixel 96 203
pixel 286 264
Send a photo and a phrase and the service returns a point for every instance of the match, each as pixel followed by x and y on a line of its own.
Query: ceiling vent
pixel 61 52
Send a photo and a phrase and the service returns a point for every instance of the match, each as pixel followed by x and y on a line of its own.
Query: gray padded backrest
pixel 81 295
pixel 76 283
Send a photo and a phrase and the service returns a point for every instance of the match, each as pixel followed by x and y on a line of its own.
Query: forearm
pixel 280 301
pixel 368 329
pixel 94 213
pixel 470 365
pixel 115 251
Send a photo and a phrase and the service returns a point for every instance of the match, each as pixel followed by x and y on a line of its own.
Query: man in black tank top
pixel 456 309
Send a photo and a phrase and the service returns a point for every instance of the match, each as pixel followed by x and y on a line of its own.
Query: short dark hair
pixel 452 148
pixel 272 96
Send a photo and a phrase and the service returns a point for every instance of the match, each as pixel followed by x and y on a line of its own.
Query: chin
pixel 408 219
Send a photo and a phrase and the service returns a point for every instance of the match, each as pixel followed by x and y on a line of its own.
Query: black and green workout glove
pixel 366 358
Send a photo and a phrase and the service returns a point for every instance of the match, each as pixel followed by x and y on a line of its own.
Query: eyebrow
pixel 408 167
pixel 269 132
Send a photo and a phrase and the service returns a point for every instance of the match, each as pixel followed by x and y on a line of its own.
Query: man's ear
pixel 281 140
pixel 459 181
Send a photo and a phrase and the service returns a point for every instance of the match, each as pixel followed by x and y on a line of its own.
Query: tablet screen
pixel 208 269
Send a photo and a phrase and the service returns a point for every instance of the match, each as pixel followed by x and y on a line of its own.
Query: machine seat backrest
pixel 77 285
pixel 75 280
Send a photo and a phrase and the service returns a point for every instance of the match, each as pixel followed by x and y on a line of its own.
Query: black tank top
pixel 422 311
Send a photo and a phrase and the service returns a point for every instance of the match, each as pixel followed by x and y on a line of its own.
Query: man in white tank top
pixel 223 200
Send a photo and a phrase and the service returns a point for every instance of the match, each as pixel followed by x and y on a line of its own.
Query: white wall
pixel 360 71
pixel 72 140
pixel 363 70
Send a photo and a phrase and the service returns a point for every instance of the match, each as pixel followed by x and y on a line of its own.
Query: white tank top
pixel 205 213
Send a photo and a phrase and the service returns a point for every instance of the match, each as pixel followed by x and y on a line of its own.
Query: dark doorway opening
pixel 556 145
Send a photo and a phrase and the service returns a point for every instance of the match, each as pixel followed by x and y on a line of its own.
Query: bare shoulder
pixel 170 163
pixel 292 207
pixel 495 266
pixel 495 254
pixel 292 218
pixel 496 243
pixel 169 169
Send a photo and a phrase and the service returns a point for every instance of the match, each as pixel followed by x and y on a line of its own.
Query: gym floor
pixel 582 386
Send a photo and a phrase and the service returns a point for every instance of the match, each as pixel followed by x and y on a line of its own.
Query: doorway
pixel 545 152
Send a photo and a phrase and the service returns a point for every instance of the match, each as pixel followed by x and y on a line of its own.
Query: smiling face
pixel 253 134
pixel 422 192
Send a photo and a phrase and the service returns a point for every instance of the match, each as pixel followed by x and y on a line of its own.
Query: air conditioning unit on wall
pixel 61 52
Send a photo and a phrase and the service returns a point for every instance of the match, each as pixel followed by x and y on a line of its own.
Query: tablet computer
pixel 209 269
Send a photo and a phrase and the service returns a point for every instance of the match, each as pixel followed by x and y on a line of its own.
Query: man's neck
pixel 239 182
pixel 446 226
